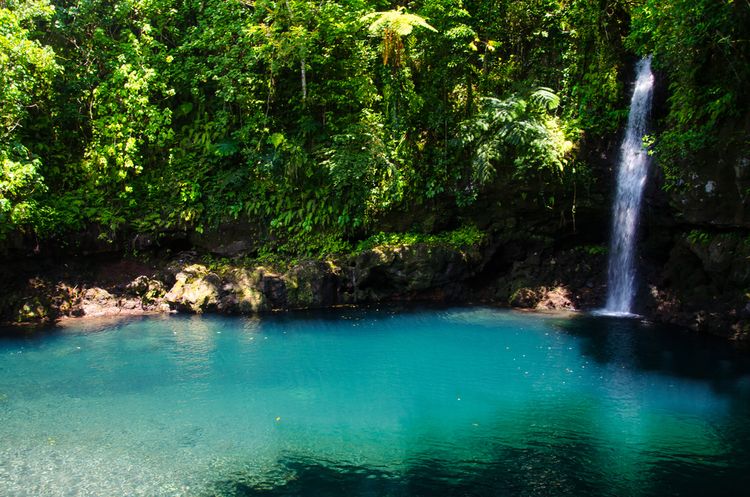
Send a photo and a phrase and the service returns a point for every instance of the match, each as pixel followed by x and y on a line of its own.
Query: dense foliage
pixel 703 46
pixel 316 118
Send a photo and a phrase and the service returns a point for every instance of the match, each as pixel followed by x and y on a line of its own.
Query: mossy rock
pixel 312 284
pixel 195 289
pixel 246 287
pixel 33 309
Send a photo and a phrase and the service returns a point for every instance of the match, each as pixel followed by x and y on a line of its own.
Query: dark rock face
pixel 714 187
pixel 695 244
pixel 381 274
pixel 703 285
pixel 235 239
pixel 544 279
pixel 418 271
pixel 697 286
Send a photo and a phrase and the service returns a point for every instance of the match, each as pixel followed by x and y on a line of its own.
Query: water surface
pixel 465 401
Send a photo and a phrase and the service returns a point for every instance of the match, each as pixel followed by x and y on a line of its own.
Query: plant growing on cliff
pixel 520 131
pixel 465 237
pixel 698 237
pixel 702 48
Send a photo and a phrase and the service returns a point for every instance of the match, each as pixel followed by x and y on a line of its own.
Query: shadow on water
pixel 27 332
pixel 675 352
pixel 428 477
pixel 532 472
pixel 88 325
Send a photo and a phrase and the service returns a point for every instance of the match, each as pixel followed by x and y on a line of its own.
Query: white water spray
pixel 631 177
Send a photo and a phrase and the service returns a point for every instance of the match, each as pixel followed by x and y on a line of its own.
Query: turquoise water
pixel 466 401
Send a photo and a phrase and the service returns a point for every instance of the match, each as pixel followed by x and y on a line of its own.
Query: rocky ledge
pixel 189 284
pixel 534 277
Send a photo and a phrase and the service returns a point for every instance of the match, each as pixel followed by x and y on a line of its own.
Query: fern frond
pixel 546 98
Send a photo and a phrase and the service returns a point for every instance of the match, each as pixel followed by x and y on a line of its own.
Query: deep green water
pixel 465 401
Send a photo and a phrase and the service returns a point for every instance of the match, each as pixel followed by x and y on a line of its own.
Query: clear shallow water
pixel 468 401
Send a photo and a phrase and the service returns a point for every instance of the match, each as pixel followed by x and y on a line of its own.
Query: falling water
pixel 631 177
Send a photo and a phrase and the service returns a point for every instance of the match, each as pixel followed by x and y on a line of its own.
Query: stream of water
pixel 631 177
pixel 465 401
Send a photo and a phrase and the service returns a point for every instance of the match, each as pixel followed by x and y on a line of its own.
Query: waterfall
pixel 631 177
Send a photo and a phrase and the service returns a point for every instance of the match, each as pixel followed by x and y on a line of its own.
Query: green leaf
pixel 276 139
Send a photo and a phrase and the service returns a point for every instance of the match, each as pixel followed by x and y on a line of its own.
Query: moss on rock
pixel 195 289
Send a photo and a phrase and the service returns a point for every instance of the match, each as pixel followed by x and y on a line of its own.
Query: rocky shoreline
pixel 570 280
pixel 188 284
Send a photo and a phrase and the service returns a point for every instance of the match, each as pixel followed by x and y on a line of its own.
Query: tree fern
pixel 393 25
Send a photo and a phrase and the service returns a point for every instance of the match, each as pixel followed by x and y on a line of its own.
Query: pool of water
pixel 464 401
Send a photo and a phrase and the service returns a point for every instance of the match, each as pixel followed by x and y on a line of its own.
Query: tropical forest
pixel 495 247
